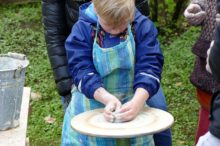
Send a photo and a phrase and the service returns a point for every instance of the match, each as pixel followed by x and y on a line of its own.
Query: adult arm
pixel 214 62
pixel 55 30
pixel 214 57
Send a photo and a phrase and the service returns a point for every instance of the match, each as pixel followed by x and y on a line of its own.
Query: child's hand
pixel 131 109
pixel 111 103
pixel 111 107
pixel 194 14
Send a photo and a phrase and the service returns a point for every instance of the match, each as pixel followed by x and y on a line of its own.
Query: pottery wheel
pixel 149 121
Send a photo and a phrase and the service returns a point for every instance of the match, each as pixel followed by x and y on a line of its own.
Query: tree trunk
pixel 155 11
pixel 178 9
pixel 164 11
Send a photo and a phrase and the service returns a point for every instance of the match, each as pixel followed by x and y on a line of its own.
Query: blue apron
pixel 116 66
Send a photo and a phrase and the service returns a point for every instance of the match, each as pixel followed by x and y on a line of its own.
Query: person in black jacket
pixel 58 19
pixel 212 137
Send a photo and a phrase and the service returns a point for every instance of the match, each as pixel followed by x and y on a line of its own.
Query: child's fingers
pixel 109 117
pixel 108 112
pixel 125 116
pixel 117 106
pixel 110 108
pixel 124 108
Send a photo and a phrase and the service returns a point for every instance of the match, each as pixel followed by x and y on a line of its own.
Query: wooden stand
pixel 17 136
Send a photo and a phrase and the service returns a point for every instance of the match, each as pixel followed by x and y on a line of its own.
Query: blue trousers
pixel 157 101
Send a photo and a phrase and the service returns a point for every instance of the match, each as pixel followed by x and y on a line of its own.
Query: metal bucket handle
pixel 17 56
pixel 17 72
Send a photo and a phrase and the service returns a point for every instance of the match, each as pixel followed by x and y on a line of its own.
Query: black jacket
pixel 58 19
pixel 214 127
pixel 214 62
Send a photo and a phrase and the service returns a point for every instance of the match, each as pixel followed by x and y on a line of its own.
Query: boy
pixel 110 67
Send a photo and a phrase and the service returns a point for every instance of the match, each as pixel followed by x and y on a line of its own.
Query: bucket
pixel 12 77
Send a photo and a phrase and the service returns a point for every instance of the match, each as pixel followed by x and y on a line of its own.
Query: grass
pixel 179 91
pixel 21 31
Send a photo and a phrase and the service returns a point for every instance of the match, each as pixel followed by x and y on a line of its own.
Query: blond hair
pixel 115 12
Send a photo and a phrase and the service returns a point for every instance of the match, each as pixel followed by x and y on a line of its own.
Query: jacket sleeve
pixel 214 57
pixel 214 62
pixel 55 29
pixel 149 58
pixel 79 52
pixel 214 126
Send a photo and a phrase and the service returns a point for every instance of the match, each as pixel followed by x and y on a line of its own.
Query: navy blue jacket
pixel 149 58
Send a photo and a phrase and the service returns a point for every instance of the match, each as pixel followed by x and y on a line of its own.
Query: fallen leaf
pixel 35 96
pixel 178 84
pixel 49 120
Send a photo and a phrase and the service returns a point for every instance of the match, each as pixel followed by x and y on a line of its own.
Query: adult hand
pixel 194 14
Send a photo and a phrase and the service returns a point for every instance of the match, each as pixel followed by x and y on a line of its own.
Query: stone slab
pixel 17 136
